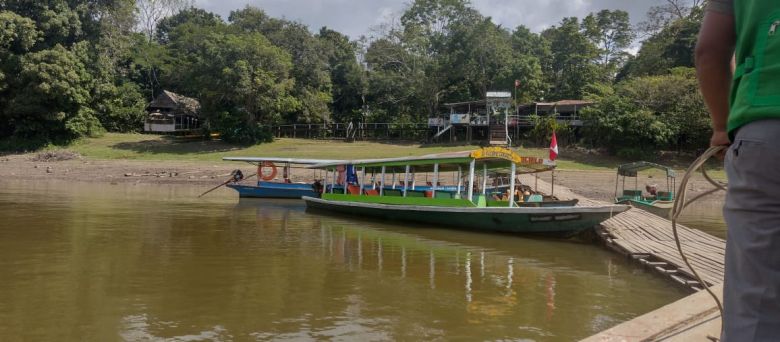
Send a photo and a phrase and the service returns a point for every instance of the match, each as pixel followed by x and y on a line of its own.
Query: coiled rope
pixel 680 204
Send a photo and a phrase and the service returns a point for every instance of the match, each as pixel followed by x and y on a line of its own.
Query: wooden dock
pixel 648 240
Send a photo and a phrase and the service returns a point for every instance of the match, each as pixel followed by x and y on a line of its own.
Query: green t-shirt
pixel 755 91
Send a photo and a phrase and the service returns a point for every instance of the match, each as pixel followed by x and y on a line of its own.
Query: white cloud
pixel 357 17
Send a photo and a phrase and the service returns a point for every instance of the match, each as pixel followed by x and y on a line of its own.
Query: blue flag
pixel 351 175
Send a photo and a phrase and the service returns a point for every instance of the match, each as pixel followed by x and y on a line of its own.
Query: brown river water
pixel 133 262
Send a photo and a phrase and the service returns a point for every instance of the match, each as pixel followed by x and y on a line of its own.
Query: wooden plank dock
pixel 648 240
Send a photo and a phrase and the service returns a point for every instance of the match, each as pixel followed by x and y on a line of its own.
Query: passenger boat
pixel 275 184
pixel 654 201
pixel 468 204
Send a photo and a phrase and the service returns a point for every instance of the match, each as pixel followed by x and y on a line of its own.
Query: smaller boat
pixel 650 198
pixel 275 184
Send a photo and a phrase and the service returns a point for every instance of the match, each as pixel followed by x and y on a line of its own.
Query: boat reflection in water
pixel 420 281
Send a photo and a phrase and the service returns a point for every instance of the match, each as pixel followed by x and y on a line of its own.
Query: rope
pixel 680 204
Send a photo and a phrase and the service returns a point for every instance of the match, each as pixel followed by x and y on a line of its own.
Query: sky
pixel 358 17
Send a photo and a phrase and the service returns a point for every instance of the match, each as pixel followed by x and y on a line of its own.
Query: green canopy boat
pixel 650 199
pixel 470 202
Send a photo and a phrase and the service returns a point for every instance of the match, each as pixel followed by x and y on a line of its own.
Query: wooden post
pixel 472 167
pixel 406 179
pixel 484 179
pixel 435 179
pixel 460 179
pixel 536 182
pixel 512 186
pixel 552 184
pixel 325 179
pixel 346 178
pixel 362 182
pixel 382 184
pixel 335 180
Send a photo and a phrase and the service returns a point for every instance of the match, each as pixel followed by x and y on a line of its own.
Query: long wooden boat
pixel 273 184
pixel 470 206
pixel 651 200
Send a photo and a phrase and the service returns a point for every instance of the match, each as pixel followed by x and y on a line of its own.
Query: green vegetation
pixel 166 148
pixel 83 67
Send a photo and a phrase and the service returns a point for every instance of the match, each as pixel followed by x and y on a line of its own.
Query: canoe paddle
pixel 223 184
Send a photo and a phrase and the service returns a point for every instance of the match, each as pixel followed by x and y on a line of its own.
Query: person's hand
pixel 720 138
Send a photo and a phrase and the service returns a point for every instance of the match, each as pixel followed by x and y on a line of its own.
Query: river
pixel 134 262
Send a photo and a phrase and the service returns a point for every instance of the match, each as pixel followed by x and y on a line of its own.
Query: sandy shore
pixel 114 171
pixel 599 185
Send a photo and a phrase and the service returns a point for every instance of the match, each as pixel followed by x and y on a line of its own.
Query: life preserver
pixel 263 168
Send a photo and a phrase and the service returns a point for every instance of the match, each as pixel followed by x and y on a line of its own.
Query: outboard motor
pixel 317 187
pixel 237 176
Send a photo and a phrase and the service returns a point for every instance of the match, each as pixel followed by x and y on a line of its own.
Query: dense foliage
pixel 73 68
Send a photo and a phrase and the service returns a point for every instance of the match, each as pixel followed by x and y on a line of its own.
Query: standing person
pixel 744 103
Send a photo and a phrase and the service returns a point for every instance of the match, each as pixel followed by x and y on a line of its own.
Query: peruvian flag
pixel 554 147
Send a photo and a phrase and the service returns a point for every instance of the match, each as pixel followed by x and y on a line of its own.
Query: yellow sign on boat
pixel 504 153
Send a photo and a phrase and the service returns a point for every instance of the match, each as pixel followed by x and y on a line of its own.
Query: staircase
pixel 498 135
pixel 441 132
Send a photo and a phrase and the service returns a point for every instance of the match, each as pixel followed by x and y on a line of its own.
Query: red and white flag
pixel 517 83
pixel 554 148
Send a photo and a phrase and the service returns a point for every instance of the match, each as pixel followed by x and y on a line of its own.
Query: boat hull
pixel 554 221
pixel 660 208
pixel 274 190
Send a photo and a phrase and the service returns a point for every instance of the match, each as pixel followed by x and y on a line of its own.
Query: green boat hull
pixel 561 221
pixel 659 208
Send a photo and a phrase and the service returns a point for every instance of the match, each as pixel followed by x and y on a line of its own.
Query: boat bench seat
pixel 535 199
pixel 632 193
pixel 665 196
pixel 415 193
pixel 353 190
pixel 392 192
pixel 444 194
pixel 439 194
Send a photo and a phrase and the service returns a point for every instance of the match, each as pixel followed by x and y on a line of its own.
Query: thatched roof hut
pixel 171 112
pixel 170 102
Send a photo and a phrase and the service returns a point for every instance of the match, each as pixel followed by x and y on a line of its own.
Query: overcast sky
pixel 357 17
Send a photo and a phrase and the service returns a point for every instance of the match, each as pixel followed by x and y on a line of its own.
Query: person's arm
pixel 714 52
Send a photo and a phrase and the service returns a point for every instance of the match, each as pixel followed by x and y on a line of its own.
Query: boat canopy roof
pixel 630 170
pixel 492 157
pixel 281 160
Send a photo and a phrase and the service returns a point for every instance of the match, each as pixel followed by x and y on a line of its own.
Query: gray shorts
pixel 751 293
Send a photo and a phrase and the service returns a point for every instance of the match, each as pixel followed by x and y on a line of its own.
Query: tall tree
pixel 611 32
pixel 661 16
pixel 310 64
pixel 669 48
pixel 151 12
pixel 573 60
pixel 190 16
pixel 68 60
pixel 347 76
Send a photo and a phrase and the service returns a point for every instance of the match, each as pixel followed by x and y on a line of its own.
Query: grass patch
pixel 158 147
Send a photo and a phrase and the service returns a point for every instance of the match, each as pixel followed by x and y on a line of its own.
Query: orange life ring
pixel 265 175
